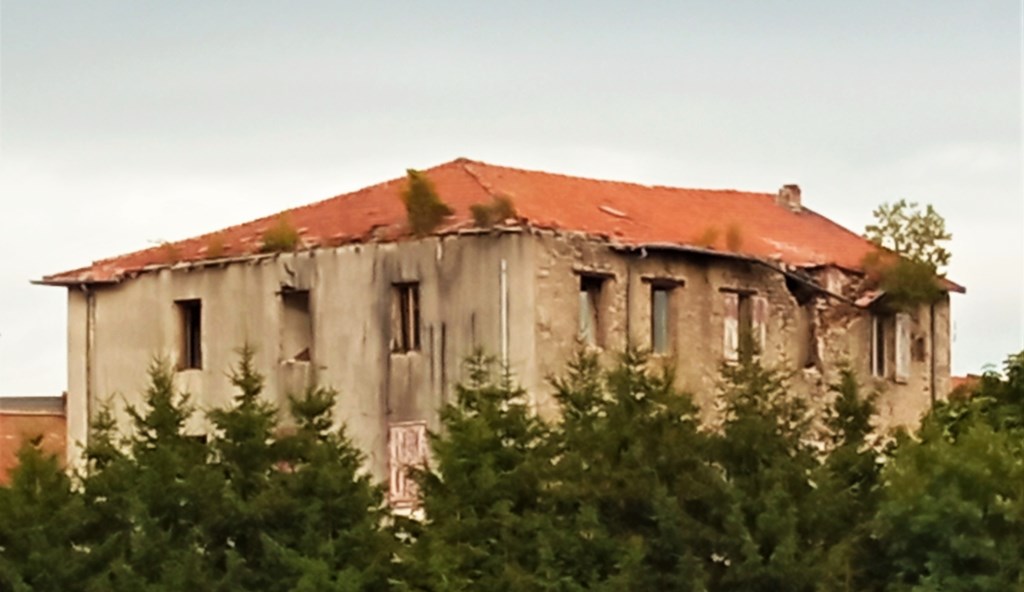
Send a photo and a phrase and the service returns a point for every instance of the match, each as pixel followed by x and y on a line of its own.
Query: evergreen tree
pixel 295 512
pixel 769 538
pixel 40 516
pixel 846 494
pixel 486 526
pixel 145 506
pixel 244 455
pixel 636 501
pixel 324 522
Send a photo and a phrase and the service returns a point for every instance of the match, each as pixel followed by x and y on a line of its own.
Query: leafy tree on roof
pixel 903 228
pixel 912 252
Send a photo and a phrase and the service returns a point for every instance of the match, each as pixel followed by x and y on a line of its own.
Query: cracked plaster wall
pixel 350 295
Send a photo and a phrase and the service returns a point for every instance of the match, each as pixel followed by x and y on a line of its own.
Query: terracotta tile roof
pixel 965 383
pixel 750 224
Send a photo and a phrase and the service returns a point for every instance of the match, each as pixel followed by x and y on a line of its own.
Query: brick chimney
pixel 789 197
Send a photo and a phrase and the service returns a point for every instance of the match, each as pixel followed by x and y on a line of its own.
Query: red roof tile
pixel 746 223
pixel 968 382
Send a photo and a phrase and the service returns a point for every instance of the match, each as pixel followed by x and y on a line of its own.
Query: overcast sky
pixel 125 123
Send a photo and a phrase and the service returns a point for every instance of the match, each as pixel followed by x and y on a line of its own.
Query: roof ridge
pixel 467 161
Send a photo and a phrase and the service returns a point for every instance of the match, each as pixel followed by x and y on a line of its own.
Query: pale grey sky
pixel 124 123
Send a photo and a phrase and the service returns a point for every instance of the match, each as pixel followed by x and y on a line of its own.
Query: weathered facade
pixel 387 319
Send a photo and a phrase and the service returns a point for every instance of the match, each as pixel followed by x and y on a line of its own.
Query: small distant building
pixel 359 302
pixel 964 385
pixel 23 419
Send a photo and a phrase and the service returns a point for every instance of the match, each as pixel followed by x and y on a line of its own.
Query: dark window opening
pixel 747 344
pixel 297 326
pixel 590 310
pixel 919 351
pixel 878 339
pixel 190 313
pixel 405 317
pixel 660 314
pixel 746 323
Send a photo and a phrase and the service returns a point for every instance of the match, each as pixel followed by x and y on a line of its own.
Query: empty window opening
pixel 296 326
pixel 660 315
pixel 807 321
pixel 920 349
pixel 405 317
pixel 746 323
pixel 190 315
pixel 878 339
pixel 590 310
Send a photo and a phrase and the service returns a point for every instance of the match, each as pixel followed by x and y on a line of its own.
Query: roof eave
pixel 65 282
pixel 775 266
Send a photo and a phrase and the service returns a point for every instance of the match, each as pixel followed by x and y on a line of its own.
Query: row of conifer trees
pixel 627 491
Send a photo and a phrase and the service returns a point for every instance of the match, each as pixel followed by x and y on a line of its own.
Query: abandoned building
pixel 356 301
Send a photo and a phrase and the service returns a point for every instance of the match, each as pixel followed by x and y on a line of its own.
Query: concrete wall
pixel 350 301
pixel 460 306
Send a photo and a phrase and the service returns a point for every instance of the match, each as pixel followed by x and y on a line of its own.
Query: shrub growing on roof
pixel 424 207
pixel 500 209
pixel 282 236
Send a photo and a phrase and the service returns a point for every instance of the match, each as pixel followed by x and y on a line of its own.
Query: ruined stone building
pixel 360 304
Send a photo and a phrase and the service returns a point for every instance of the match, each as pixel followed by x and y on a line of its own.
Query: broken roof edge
pixel 738 256
pixel 951 286
pixel 56 280
pixel 945 283
pixel 467 229
pixel 67 280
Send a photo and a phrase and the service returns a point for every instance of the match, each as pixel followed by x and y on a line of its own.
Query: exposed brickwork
pixel 17 428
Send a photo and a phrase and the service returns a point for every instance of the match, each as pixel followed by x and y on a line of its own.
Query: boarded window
pixel 902 348
pixel 190 322
pixel 878 338
pixel 590 310
pixel 660 315
pixel 296 326
pixel 407 449
pixel 745 324
pixel 405 317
